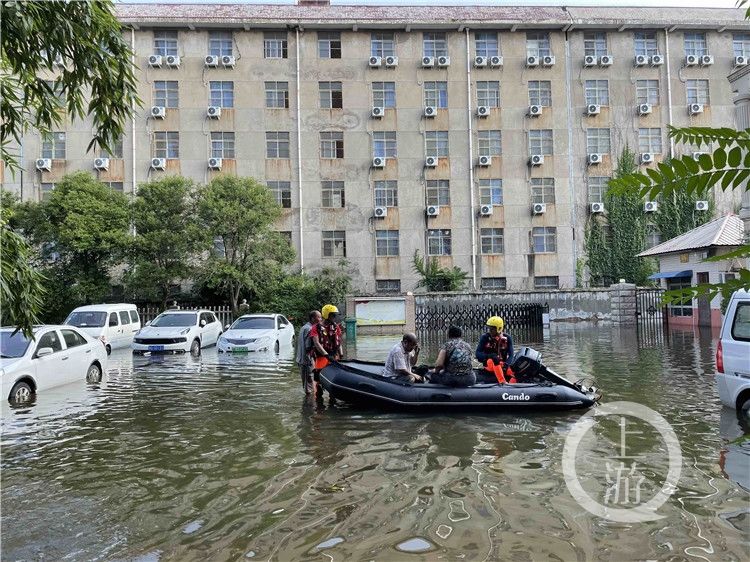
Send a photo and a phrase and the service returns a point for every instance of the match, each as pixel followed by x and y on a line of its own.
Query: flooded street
pixel 222 458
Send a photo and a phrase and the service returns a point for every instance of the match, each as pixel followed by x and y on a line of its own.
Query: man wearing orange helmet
pixel 495 344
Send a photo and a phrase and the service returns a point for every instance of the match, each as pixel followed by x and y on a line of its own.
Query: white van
pixel 113 324
pixel 733 354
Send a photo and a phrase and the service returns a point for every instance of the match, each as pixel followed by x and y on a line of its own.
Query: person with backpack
pixel 453 366
pixel 304 346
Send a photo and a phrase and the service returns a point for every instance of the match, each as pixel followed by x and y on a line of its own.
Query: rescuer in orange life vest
pixel 495 344
pixel 326 341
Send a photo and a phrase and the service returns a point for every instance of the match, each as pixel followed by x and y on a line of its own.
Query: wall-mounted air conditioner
pixel 378 162
pixel 158 112
pixel 213 112
pixel 432 210
pixel 44 164
pixel 215 163
pixel 485 210
pixel 650 207
pixel 431 162
pixel 377 112
pixel 647 158
pixel 593 159
pixel 375 62
pixel 159 163
pixel 593 109
pixel 644 108
pixel 606 60
pixel 391 61
pixel 484 161
pixel 539 208
pixel 173 61
pixel 380 212
pixel 155 61
pixel 536 160
pixel 428 62
pixel 228 61
pixel 596 208
pixel 701 205
pixel 101 163
pixel 211 61
pixel 535 110
pixel 496 61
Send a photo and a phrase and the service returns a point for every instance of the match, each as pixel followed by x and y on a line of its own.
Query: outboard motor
pixel 526 363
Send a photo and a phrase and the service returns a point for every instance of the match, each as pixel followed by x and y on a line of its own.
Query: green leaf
pixel 735 157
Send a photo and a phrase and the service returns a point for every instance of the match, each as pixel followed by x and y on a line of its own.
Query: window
pixel 124 317
pixel 438 242
pixel 382 45
pixel 274 45
pixel 490 192
pixel 537 44
pixel 488 94
pixel 220 43
pixel 386 286
pixel 486 44
pixel 47 189
pixel 695 44
pixel 544 239
pixel 438 192
pixel 386 243
pixel 645 43
pixel 594 43
pixel 543 190
pixel 597 188
pixel 50 339
pixel 331 95
pixel 282 192
pixel 329 44
pixel 384 144
pixel 436 144
pixel 597 141
pixel 434 45
pixel 57 91
pixel 222 93
pixel 166 93
pixel 547 282
pixel 115 186
pixel 436 94
pixel 166 144
pixel 741 44
pixel 653 236
pixel 277 94
pixel 332 194
pixel 491 240
pixel 384 94
pixel 685 307
pixel 649 140
pixel 386 193
pixel 493 284
pixel 647 91
pixel 222 145
pixel 334 244
pixel 540 142
pixel 540 92
pixel 277 144
pixel 489 143
pixel 165 43
pixel 741 321
pixel 53 145
pixel 597 92
pixel 331 144
pixel 134 317
pixel 697 91
pixel 116 150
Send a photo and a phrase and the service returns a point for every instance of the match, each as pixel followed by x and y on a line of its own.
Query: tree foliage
pixel 436 278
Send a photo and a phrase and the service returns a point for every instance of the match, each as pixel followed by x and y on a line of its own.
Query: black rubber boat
pixel 538 388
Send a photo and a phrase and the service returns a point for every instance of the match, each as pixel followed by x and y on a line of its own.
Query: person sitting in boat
pixel 402 357
pixel 495 345
pixel 453 366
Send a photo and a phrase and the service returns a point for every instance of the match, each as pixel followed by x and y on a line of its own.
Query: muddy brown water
pixel 222 458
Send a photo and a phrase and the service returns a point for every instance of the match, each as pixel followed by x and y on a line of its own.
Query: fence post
pixel 410 313
pixel 623 298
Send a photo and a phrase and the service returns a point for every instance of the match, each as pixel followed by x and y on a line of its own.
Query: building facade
pixel 483 136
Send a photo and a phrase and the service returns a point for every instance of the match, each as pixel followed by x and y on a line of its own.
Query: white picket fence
pixel 223 313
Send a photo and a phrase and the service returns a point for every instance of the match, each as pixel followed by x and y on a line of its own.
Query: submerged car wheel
pixel 20 393
pixel 195 347
pixel 94 374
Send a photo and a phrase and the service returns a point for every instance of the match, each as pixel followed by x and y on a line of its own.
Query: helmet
pixel 328 310
pixel 496 321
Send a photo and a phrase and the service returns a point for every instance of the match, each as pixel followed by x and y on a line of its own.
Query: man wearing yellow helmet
pixel 495 344
pixel 326 336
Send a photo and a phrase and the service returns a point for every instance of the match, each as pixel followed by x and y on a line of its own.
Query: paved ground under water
pixel 221 458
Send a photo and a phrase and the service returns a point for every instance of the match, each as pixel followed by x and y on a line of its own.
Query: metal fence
pixel 652 316
pixel 432 316
pixel 223 313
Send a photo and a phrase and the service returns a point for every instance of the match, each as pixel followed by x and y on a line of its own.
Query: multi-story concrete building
pixel 480 135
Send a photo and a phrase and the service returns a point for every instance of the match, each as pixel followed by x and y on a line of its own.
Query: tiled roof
pixel 724 231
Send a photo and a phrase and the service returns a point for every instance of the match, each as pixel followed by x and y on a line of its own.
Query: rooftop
pixel 724 231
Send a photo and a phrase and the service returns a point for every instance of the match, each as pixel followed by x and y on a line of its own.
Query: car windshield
pixel 13 345
pixel 174 320
pixel 256 323
pixel 89 319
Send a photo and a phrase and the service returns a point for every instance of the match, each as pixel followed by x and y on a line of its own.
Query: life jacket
pixel 497 345
pixel 329 336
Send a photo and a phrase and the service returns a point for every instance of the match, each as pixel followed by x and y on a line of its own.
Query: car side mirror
pixel 226 327
pixel 203 323
pixel 41 352
pixel 148 323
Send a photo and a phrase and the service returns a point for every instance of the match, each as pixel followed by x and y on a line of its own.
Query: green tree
pixel 239 215
pixel 167 238
pixel 97 78
pixel 436 278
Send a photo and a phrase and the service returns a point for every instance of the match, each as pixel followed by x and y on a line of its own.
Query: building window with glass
pixel 683 307
pixel 695 44
pixel 53 145
pixel 436 144
pixel 334 243
pixel 329 44
pixel 434 45
pixel 436 94
pixel 282 192
pixel 489 143
pixel 384 144
pixel 166 93
pixel 115 149
pixel 386 193
pixel 166 144
pixel 384 94
pixel 438 193
pixel 387 286
pixel 697 91
pixel 540 92
pixel 597 188
pixel 222 93
pixel 277 95
pixel 488 93
pixel 645 43
pixel 544 239
pixel 490 192
pixel 537 44
pixel 222 145
pixel 115 186
pixel 332 144
pixel 332 194
pixel 493 284
pixel 547 282
pixel 491 240
pixel 594 43
pixel 649 140
pixel 741 44
pixel 277 144
pixel 382 44
pixel 543 190
pixel 220 43
pixel 274 45
pixel 165 43
pixel 540 142
pixel 47 189
pixel 597 92
pixel 597 141
pixel 331 95
pixel 386 243
pixel 647 91
pixel 653 236
pixel 439 242
pixel 486 44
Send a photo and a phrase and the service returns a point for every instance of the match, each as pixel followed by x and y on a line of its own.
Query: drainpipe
pixel 299 157
pixel 669 89
pixel 571 182
pixel 471 166
pixel 132 117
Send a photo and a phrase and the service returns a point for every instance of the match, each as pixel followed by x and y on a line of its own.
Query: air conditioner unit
pixel 697 155
pixel 483 111
pixel 158 112
pixel 532 61
pixel 496 61
pixel 228 61
pixel 657 60
pixel 374 62
pixel 159 163
pixel 593 109
pixel 154 61
pixel 213 111
pixel 707 60
pixel 428 62
pixel 432 210
pixel 549 60
pixel 606 60
pixel 380 212
pixel 701 205
pixel 596 208
pixel 391 61
pixel 740 61
pixel 173 61
pixel 44 164
pixel 485 210
pixel 589 60
pixel 215 163
pixel 695 108
pixel 535 110
pixel 650 207
pixel 647 158
pixel 594 158
pixel 539 208
pixel 431 162
pixel 480 61
pixel 641 60
pixel 211 61
pixel 430 111
pixel 378 162
pixel 101 163
pixel 485 161
pixel 377 111
pixel 444 61
pixel 645 108
pixel 691 60
pixel 536 160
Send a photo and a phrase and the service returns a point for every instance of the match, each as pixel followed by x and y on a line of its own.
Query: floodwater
pixel 222 458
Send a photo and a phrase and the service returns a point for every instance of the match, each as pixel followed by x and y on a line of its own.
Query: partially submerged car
pixel 178 331
pixel 257 332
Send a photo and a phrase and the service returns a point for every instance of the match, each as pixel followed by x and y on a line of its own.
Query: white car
pixel 55 356
pixel 257 332
pixel 733 354
pixel 178 331
pixel 113 324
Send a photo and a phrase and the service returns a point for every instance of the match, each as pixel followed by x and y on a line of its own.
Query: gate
pixel 438 316
pixel 652 317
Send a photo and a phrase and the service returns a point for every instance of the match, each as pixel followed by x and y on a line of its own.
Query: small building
pixel 681 265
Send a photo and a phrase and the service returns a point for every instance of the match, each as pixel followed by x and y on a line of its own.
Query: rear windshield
pixel 174 320
pixel 254 324
pixel 13 345
pixel 741 323
pixel 88 319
